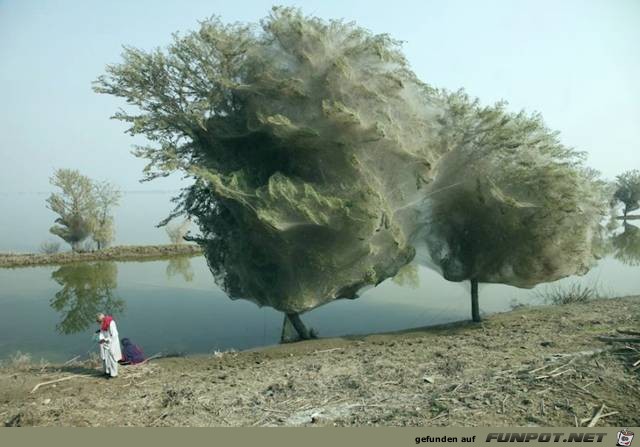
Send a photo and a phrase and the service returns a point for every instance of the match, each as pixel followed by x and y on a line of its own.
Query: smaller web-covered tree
pixel 510 204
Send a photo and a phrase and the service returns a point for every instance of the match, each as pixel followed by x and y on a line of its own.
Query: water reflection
pixel 626 245
pixel 87 289
pixel 180 265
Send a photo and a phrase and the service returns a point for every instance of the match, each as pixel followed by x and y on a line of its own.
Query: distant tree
pixel 50 247
pixel 628 190
pixel 177 232
pixel 84 207
pixel 107 196
pixel 75 205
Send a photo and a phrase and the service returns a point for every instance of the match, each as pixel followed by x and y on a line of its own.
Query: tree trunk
pixel 475 306
pixel 289 333
pixel 299 326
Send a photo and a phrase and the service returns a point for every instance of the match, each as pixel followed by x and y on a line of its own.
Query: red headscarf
pixel 106 321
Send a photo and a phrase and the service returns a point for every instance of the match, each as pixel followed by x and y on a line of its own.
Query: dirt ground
pixel 533 366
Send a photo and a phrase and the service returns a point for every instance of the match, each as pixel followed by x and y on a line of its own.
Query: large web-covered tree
pixel 306 140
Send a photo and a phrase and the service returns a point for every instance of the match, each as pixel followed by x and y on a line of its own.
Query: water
pixel 174 306
pixel 48 311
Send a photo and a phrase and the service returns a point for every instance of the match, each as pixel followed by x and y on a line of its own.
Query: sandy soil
pixel 119 253
pixel 532 366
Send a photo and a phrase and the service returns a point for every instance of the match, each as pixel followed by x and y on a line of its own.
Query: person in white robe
pixel 109 343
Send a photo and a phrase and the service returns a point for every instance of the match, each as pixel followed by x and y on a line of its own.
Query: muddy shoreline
pixel 118 253
pixel 542 366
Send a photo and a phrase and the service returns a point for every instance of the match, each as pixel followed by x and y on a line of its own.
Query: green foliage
pixel 84 208
pixel 628 190
pixel 75 206
pixel 87 289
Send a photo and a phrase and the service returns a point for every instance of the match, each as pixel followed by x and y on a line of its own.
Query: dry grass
pixel 571 294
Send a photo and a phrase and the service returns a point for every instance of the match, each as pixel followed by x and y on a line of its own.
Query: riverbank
pixel 533 366
pixel 630 217
pixel 118 253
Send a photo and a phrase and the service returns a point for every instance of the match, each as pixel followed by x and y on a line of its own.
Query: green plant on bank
pixel 20 360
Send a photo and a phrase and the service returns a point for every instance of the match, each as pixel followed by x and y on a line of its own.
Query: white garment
pixel 110 351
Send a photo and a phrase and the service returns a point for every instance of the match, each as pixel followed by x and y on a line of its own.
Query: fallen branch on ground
pixel 559 356
pixel 582 421
pixel 597 416
pixel 619 339
pixel 327 350
pixel 71 360
pixel 628 332
pixel 155 356
pixel 35 388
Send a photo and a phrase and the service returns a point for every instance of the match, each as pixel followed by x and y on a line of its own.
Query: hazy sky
pixel 577 62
